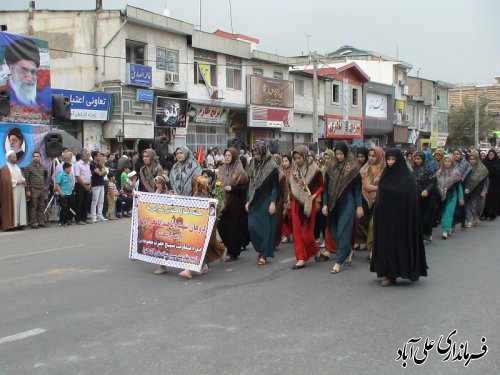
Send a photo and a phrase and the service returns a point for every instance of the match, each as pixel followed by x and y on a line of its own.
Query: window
pixel 167 59
pixel 233 72
pixel 258 71
pixel 335 93
pixel 278 75
pixel 299 87
pixel 135 52
pixel 206 62
pixel 354 97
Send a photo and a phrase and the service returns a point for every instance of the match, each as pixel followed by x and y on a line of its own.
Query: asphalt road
pixel 71 302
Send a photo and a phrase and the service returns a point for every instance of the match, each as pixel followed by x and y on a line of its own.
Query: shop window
pixel 135 52
pixel 278 75
pixel 335 93
pixel 233 72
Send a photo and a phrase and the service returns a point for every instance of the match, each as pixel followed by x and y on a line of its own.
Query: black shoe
pixel 297 267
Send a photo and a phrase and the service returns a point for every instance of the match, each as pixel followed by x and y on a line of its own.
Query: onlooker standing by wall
pixel 97 181
pixel 36 175
pixel 82 187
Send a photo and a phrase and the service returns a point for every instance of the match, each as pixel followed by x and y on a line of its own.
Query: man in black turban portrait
pixel 23 59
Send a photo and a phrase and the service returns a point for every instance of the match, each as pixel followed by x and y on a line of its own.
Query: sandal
pixel 160 270
pixel 348 261
pixel 186 274
pixel 335 270
pixel 261 261
pixel 322 258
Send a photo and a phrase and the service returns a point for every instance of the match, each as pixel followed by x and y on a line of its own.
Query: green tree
pixel 461 122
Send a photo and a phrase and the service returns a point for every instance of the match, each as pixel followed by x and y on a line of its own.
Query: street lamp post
pixel 119 137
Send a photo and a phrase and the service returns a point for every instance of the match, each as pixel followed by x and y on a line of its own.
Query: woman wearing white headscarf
pixel 12 194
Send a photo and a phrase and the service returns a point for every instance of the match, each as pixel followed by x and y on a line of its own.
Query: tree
pixel 461 122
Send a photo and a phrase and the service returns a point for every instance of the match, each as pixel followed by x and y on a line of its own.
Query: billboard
pixel 25 75
pixel 376 106
pixel 172 230
pixel 337 128
pixel 171 112
pixel 86 105
pixel 271 92
pixel 210 115
pixel 270 117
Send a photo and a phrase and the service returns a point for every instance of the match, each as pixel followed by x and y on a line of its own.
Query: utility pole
pixel 476 124
pixel 314 56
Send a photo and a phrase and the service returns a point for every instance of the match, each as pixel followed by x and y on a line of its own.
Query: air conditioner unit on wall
pixel 402 82
pixel 171 78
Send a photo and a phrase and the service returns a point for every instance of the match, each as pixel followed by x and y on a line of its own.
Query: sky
pixel 456 41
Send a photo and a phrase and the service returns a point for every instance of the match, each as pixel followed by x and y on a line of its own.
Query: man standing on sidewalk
pixel 97 180
pixel 36 175
pixel 82 187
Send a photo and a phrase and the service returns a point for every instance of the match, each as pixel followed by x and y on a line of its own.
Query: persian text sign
pixel 271 92
pixel 172 230
pixel 86 105
pixel 171 112
pixel 140 75
pixel 211 115
pixel 270 117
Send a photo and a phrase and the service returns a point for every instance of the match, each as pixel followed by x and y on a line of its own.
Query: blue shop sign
pixel 140 75
pixel 86 105
pixel 145 95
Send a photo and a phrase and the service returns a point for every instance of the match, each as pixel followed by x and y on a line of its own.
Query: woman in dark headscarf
pixel 283 200
pixel 341 201
pixel 492 163
pixel 476 187
pixel 449 182
pixel 149 171
pixel 184 170
pixel 306 183
pixel 286 169
pixel 362 156
pixel 232 221
pixel 399 249
pixel 426 184
pixel 261 202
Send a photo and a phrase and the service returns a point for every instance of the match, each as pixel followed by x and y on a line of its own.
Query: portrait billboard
pixel 23 139
pixel 172 230
pixel 271 92
pixel 25 75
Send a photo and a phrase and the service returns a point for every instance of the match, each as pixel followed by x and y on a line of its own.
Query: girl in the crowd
pixel 286 168
pixel 306 183
pixel 464 168
pixel 425 175
pixel 492 163
pixel 341 201
pixel 149 171
pixel 261 202
pixel 398 244
pixel 232 221
pixel 476 187
pixel 370 176
pixel 449 182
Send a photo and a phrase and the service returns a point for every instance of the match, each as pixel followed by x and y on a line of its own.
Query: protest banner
pixel 172 230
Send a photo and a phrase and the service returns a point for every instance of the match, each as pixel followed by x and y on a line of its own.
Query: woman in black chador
pixel 398 249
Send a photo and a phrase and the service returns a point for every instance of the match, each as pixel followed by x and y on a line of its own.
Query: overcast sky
pixel 456 41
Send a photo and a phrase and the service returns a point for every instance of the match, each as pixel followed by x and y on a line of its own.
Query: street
pixel 73 303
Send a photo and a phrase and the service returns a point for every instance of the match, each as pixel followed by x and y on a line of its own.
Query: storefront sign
pixel 86 105
pixel 270 117
pixel 172 230
pixel 271 92
pixel 139 75
pixel 210 115
pixel 171 112
pixel 145 95
pixel 25 77
pixel 337 128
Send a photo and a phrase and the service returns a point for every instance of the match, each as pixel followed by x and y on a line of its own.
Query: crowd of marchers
pixel 328 205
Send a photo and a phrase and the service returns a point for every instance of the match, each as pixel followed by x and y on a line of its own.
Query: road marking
pixel 42 252
pixel 287 260
pixel 22 335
